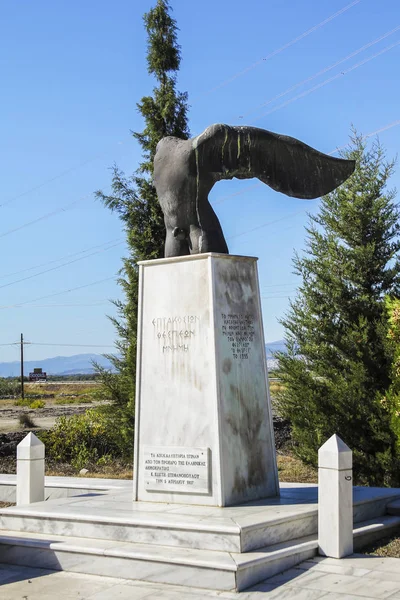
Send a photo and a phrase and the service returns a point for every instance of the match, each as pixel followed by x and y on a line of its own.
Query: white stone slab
pixel 202 377
pixel 176 469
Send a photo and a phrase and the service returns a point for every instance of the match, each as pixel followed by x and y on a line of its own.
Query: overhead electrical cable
pixel 79 287
pixel 74 345
pixel 266 224
pixel 44 217
pixel 279 50
pixel 368 135
pixel 322 72
pixel 77 304
pixel 59 266
pixel 58 176
pixel 326 81
pixel 50 262
pixel 48 215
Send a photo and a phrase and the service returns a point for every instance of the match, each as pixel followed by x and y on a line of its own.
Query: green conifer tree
pixel 339 360
pixel 134 199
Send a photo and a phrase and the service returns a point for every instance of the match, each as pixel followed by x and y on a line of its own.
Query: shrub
pixel 22 402
pixel 37 404
pixel 9 387
pixel 70 400
pixel 26 421
pixel 89 439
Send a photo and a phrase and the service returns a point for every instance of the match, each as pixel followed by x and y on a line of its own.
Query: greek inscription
pixel 174 333
pixel 176 470
pixel 239 331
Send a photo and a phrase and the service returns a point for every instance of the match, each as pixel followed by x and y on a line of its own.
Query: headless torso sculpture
pixel 186 170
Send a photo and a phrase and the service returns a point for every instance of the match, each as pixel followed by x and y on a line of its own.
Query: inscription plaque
pixel 176 469
pixel 239 330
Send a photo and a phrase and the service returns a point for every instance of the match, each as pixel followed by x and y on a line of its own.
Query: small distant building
pixel 37 375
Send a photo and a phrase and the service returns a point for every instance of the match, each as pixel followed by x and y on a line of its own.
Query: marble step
pixel 219 570
pixel 393 508
pixel 369 503
pixel 215 570
pixel 369 531
pixel 238 531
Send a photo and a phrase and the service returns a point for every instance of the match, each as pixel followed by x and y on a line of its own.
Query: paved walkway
pixel 353 578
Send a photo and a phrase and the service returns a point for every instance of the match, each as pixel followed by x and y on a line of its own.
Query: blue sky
pixel 71 75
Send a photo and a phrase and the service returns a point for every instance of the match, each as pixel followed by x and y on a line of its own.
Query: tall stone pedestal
pixel 204 430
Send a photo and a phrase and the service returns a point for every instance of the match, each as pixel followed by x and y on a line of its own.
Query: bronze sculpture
pixel 186 170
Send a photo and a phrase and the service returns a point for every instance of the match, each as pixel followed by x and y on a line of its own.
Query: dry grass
pixel 389 546
pixel 292 470
pixel 275 387
pixel 61 388
pixel 6 504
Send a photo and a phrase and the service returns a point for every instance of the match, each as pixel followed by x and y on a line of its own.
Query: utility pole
pixel 22 366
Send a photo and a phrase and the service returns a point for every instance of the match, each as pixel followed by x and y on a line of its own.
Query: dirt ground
pixel 61 398
pixel 44 418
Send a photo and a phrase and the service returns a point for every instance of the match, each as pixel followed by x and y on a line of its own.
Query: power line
pixel 278 285
pixel 266 224
pixel 368 135
pixel 59 266
pixel 325 70
pixel 44 217
pixel 272 297
pixel 79 287
pixel 74 345
pixel 103 303
pixel 62 174
pixel 323 83
pixel 50 262
pixel 48 215
pixel 279 50
pixel 223 198
pixel 71 345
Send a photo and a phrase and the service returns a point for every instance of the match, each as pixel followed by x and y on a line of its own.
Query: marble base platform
pixel 216 548
pixel 203 427
pixel 63 487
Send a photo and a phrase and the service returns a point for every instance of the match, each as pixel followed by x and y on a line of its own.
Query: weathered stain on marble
pixel 227 366
pixel 246 424
pixel 239 485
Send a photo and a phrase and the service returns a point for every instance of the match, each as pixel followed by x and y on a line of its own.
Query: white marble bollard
pixel 30 470
pixel 335 499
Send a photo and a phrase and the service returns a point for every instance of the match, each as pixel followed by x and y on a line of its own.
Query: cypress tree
pixel 338 364
pixel 134 198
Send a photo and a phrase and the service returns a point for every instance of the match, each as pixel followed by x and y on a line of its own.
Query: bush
pixel 70 400
pixel 89 439
pixel 22 402
pixel 26 421
pixel 37 404
pixel 9 387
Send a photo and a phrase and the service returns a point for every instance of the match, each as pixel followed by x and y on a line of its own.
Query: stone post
pixel 335 499
pixel 30 470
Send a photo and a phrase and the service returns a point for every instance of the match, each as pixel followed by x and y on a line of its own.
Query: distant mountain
pixel 59 365
pixel 270 348
pixel 278 346
pixel 82 363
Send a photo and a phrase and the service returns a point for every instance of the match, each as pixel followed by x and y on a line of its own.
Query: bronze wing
pixel 285 164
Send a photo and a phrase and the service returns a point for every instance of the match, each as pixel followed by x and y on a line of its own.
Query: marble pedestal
pixel 204 430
